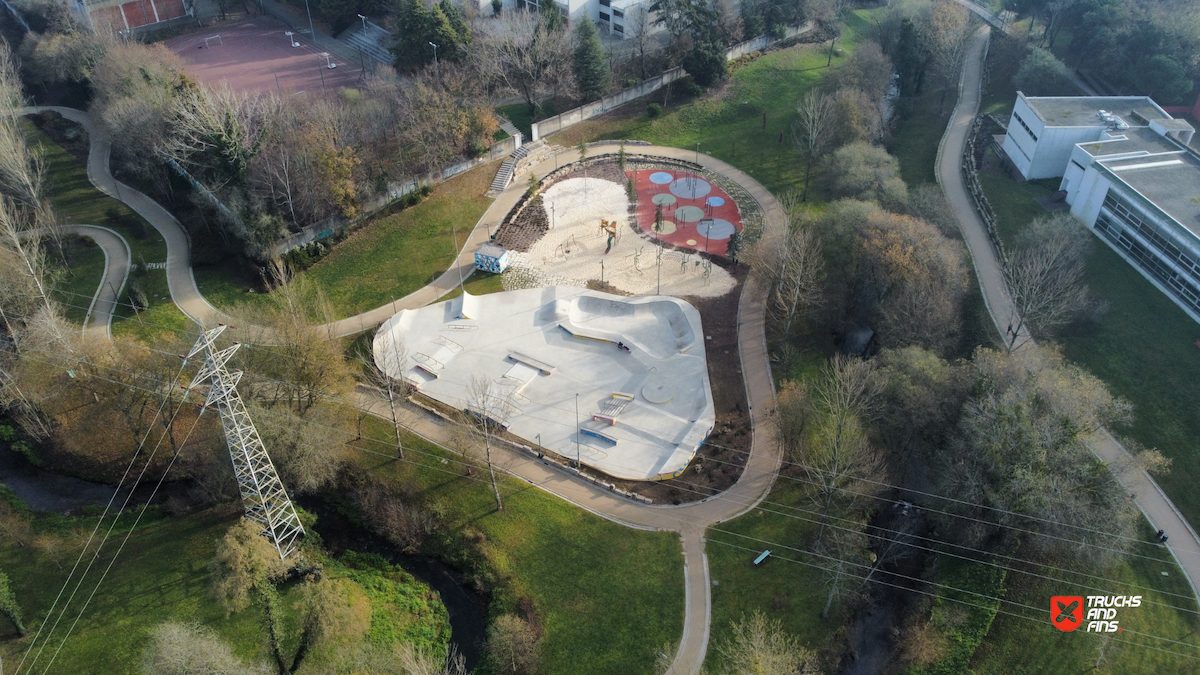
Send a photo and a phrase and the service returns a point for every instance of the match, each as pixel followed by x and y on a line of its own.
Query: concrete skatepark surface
pixel 642 413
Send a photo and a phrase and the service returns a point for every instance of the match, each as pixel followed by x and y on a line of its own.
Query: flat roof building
pixel 1128 174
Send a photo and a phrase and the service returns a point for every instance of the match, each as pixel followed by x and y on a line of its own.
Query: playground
pixel 618 384
pixel 685 210
pixel 258 56
pixel 590 239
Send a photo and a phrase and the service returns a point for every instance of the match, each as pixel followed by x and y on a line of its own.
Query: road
pixel 1183 542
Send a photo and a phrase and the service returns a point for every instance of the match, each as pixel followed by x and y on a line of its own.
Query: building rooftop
pixel 1083 111
pixel 1171 181
pixel 1142 140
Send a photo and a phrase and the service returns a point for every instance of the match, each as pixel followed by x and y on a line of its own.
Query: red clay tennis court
pixel 256 55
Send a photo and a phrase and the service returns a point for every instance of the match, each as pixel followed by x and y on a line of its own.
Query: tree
pixel 838 456
pixel 857 118
pixel 512 646
pixel 946 36
pixel 705 62
pixel 927 202
pixel 417 26
pixel 489 406
pixel 185 649
pixel 1045 274
pixel 864 171
pixel 8 605
pixel 385 374
pixel 244 564
pixel 795 272
pixel 638 29
pixel 758 645
pixel 812 130
pixel 527 54
pixel 1042 74
pixel 1018 470
pixel 591 74
pixel 912 279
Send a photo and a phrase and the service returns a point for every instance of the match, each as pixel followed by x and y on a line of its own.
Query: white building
pixel 1128 173
pixel 620 18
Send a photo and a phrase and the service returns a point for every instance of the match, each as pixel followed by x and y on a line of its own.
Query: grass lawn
pixel 728 124
pixel 789 592
pixel 1018 646
pixel 80 277
pixel 518 114
pixel 608 597
pixel 78 202
pixel 479 283
pixel 388 258
pixel 161 575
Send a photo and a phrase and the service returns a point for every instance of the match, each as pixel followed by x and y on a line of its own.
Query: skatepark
pixel 617 384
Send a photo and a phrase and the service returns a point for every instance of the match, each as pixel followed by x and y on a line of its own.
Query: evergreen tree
pixel 417 26
pixel 590 72
pixel 9 606
pixel 705 63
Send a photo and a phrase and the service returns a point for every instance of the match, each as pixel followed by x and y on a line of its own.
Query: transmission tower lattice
pixel 264 499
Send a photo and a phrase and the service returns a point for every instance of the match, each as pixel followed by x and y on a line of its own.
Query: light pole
pixel 552 213
pixel 577 431
pixel 364 20
pixel 436 75
pixel 290 36
pixel 312 32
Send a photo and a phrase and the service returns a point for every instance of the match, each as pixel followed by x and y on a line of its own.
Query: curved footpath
pixel 689 520
pixel 1184 544
pixel 117 259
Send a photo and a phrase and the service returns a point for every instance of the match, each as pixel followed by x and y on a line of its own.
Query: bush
pixel 705 63
pixel 426 190
pixel 694 90
pixel 653 110
pixel 1042 74
pixel 632 82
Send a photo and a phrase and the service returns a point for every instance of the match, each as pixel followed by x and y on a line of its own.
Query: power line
pixel 1030 562
pixel 717 529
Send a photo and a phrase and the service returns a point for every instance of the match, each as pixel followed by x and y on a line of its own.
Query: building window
pixel 1025 127
pixel 618 28
pixel 605 3
pixel 619 14
pixel 1144 242
pixel 603 16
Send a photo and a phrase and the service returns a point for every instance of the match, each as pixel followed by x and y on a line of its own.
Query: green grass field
pixel 609 597
pixel 1017 646
pixel 78 202
pixel 728 125
pixel 80 277
pixel 387 258
pixel 790 592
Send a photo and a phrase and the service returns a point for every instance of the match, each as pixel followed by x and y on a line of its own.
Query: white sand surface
pixel 571 253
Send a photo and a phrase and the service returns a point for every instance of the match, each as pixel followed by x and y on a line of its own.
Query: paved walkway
pixel 116 272
pixel 690 520
pixel 1184 544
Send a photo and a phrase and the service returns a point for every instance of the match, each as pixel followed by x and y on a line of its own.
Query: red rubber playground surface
pixel 252 53
pixel 696 214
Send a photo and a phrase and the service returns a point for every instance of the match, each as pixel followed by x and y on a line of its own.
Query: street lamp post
pixel 312 32
pixel 364 20
pixel 577 431
pixel 436 75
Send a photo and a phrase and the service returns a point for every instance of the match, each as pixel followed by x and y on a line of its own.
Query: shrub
pixel 693 90
pixel 426 189
pixel 705 63
pixel 653 110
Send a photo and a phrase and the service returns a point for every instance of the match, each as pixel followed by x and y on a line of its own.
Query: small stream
pixel 45 490
pixel 468 627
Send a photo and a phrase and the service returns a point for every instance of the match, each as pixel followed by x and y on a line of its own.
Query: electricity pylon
pixel 263 498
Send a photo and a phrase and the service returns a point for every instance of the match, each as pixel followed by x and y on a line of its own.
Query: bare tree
pixel 182 649
pixel 811 130
pixel 513 646
pixel 1045 274
pixel 489 406
pixel 527 54
pixel 639 27
pixel 759 645
pixel 795 270
pixel 385 374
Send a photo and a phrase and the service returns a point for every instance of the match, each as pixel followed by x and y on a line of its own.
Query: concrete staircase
pixel 505 174
pixel 509 128
pixel 374 42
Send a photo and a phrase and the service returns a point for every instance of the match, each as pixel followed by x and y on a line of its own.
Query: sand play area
pixel 576 249
pixel 619 383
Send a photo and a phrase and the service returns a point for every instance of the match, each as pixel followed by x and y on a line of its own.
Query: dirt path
pixel 1184 544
